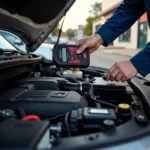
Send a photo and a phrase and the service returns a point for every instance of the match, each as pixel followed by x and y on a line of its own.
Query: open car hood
pixel 32 20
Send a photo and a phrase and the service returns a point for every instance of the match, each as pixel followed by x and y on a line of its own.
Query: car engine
pixel 65 103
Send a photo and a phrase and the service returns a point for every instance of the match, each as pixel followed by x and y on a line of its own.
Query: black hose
pixel 56 117
pixel 98 105
pixel 91 95
pixel 79 87
pixel 70 86
pixel 67 124
pixel 103 103
pixel 20 113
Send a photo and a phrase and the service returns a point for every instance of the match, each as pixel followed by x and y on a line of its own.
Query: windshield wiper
pixel 13 51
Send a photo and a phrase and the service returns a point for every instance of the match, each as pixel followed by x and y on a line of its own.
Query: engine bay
pixel 70 108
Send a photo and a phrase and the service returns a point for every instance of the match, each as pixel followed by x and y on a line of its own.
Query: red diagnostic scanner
pixel 66 56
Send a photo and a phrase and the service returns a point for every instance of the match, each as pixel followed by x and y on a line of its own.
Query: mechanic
pixel 123 18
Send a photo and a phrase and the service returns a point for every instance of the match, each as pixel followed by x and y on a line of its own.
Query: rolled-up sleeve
pixel 122 19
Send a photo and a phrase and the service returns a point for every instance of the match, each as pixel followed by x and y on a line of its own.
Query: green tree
pixel 70 33
pixel 56 30
pixel 88 26
pixel 95 9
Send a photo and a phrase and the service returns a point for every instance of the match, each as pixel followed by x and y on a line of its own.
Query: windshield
pixel 45 50
pixel 13 39
pixel 4 44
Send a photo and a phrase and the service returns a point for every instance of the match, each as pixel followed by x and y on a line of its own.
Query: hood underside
pixel 32 20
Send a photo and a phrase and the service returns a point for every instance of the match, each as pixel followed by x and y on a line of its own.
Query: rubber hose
pixel 80 87
pixel 71 86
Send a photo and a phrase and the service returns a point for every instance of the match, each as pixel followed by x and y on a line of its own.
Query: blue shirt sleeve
pixel 141 61
pixel 122 19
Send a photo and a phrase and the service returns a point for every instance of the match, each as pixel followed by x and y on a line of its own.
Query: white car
pixel 45 50
pixel 8 39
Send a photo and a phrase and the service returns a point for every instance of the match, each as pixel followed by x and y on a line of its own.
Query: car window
pixel 10 38
pixel 14 40
pixel 45 50
pixel 4 44
pixel 49 40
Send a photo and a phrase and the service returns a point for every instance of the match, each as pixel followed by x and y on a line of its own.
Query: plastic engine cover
pixel 44 103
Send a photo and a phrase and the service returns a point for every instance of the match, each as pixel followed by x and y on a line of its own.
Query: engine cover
pixel 43 83
pixel 44 103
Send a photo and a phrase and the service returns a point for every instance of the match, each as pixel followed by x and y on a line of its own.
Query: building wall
pixel 148 35
pixel 101 21
pixel 144 19
pixel 106 4
pixel 95 24
pixel 133 42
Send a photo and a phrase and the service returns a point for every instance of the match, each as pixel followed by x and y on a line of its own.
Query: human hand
pixel 92 43
pixel 121 71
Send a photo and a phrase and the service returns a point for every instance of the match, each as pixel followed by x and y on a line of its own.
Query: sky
pixel 78 13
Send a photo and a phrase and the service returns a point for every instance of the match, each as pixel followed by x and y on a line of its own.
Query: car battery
pixel 110 91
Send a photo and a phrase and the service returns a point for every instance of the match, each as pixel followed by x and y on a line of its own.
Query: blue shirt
pixel 122 19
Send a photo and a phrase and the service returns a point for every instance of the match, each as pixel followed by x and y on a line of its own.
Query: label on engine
pixel 99 111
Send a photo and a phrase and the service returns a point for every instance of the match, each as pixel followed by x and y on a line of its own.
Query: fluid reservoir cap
pixel 109 124
pixel 124 106
pixel 124 111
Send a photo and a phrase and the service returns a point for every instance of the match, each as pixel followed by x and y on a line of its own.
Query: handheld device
pixel 66 56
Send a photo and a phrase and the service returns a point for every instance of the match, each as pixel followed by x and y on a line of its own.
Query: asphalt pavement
pixel 106 60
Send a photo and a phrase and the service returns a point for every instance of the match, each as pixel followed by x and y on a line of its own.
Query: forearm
pixel 122 19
